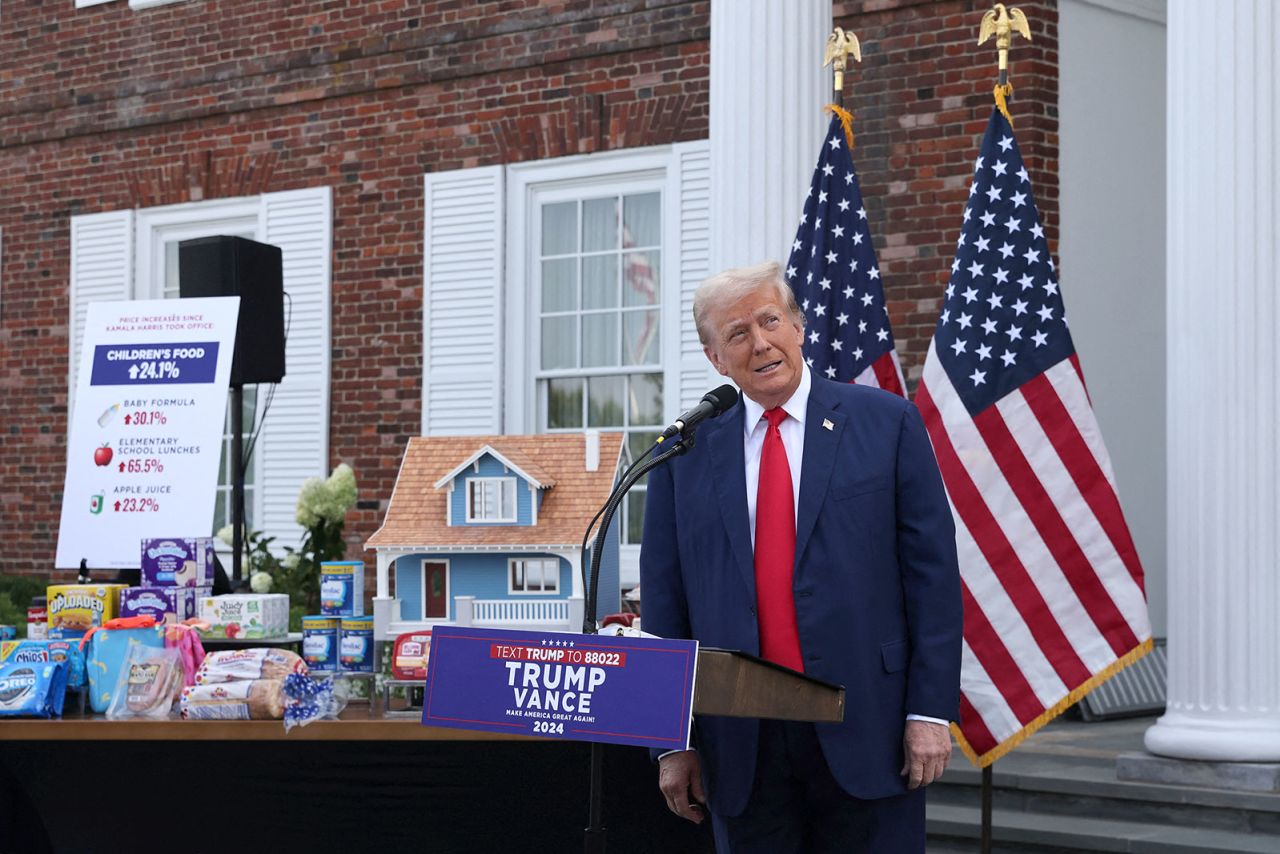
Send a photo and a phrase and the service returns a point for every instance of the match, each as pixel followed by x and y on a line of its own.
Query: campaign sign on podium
pixel 617 690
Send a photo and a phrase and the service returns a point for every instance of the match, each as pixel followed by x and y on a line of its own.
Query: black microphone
pixel 712 404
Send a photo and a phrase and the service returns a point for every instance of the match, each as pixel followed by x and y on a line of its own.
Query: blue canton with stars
pixel 1003 321
pixel 833 270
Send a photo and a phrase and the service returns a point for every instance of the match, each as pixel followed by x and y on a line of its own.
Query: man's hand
pixel 680 779
pixel 927 749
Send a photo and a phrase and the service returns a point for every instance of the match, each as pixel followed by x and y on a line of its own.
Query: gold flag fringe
pixel 1049 714
pixel 846 121
pixel 1002 94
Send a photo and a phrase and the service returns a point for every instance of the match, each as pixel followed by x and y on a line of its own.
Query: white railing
pixel 517 613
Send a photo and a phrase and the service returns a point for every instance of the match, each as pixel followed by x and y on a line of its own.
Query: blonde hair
pixel 735 283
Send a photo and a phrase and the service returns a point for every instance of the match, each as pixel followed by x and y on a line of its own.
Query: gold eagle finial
pixel 840 45
pixel 1003 23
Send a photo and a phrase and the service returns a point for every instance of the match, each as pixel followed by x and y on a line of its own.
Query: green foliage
pixel 16 593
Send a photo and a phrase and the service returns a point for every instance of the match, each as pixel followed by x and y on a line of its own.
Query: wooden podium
pixel 737 685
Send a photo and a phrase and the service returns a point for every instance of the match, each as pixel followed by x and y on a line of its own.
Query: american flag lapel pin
pixel 827 425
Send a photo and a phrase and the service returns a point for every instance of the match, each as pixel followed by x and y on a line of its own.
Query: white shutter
pixel 693 166
pixel 462 306
pixel 295 437
pixel 101 269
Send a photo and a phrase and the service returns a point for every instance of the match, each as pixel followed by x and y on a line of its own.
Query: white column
pixel 1224 385
pixel 768 88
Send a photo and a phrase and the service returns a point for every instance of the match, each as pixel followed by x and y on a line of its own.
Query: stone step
pixel 949 825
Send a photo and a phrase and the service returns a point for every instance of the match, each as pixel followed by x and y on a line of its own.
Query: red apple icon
pixel 102 456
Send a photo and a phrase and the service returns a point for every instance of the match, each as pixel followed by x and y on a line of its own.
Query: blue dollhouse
pixel 487 531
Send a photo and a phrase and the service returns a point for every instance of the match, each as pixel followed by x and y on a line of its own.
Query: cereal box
pixel 174 604
pixel 342 588
pixel 177 562
pixel 245 615
pixel 76 608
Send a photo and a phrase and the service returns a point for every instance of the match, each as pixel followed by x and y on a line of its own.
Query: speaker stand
pixel 237 482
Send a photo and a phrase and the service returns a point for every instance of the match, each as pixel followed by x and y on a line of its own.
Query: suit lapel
pixel 820 445
pixel 728 469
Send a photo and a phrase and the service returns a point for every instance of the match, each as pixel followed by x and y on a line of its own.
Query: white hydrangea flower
pixel 260 582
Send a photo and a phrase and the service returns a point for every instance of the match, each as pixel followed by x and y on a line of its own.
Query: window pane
pixel 475 499
pixel 638 443
pixel 560 285
pixel 508 499
pixel 599 224
pixel 564 403
pixel 559 342
pixel 634 515
pixel 550 576
pixel 220 515
pixel 560 228
pixel 171 280
pixel 599 340
pixel 600 281
pixel 517 575
pixel 640 278
pixel 640 338
pixel 642 220
pixel 605 401
pixel 645 399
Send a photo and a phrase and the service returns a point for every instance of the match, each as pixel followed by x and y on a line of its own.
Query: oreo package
pixel 33 689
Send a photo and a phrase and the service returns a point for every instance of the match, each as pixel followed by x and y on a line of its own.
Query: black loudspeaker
pixel 225 266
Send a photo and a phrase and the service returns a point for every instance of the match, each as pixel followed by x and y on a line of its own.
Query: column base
pixel 1143 767
pixel 1218 739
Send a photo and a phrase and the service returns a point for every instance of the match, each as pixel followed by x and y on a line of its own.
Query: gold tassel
pixel 1049 714
pixel 846 121
pixel 1003 93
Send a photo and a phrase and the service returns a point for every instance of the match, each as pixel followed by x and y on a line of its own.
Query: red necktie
pixel 776 551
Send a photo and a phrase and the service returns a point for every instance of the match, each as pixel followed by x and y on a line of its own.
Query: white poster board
pixel 146 429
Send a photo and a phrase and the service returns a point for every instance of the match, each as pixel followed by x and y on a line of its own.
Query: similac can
pixel 38 619
pixel 356 645
pixel 320 642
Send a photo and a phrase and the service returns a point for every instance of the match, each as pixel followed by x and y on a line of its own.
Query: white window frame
pixel 422 588
pixel 501 482
pixel 544 562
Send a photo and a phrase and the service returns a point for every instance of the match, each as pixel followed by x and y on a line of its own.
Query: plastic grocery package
pixel 149 681
pixel 104 652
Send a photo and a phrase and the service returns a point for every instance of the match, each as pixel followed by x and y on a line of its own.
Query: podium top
pixel 737 685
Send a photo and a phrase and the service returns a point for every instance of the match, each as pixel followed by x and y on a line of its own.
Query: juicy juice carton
pixel 342 588
pixel 177 562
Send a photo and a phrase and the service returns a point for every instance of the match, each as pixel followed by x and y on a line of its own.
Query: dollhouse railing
pixel 533 613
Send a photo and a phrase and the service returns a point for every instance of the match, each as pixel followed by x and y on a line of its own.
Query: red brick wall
pixel 106 108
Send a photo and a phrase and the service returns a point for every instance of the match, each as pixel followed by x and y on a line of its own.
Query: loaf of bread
pixel 234 665
pixel 260 699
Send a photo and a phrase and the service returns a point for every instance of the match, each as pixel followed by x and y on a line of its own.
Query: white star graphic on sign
pixel 1020 308
pixel 1019 199
pixel 970 295
pixel 838 231
pixel 882 335
pixel 1001 276
pixel 989 326
pixel 842 318
pixel 1005 143
pixel 848 292
pixel 857 354
pixel 1025 281
pixel 1013 224
pixel 975 269
pixel 994 193
pixel 978 377
pixel 1046 313
pixel 844 204
pixel 836 344
pixel 862 213
pixel 814 338
pixel 1036 231
pixel 1040 338
pixel 831 257
pixel 828 169
pixel 791 272
pixel 988 218
pixel 958 345
pixel 1009 358
pixel 831 372
pixel 1000 167
pixel 819 309
pixel 857 238
pixel 822 197
pixel 874 273
pixel 994 301
pixel 834 142
pixel 1050 287
pixel 965 320
pixel 1022 173
pixel 866 299
pixel 1006 250
pixel 1014 332
pixel 862 326
pixel 984 352
pixel 983 243
pixel 825 284
pixel 1031 255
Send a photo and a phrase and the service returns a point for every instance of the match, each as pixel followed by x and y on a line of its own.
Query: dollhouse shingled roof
pixel 417 514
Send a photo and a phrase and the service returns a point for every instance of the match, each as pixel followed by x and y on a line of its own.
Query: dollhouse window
pixel 534 576
pixel 491 499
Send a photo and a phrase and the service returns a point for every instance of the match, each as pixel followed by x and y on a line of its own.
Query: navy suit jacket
pixel 877 588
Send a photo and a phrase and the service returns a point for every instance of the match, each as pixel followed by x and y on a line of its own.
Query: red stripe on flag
pixel 1057 537
pixel 1084 469
pixel 993 655
pixel 887 374
pixel 975 728
pixel 972 508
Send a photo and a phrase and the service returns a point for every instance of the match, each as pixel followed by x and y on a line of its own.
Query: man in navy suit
pixel 809 526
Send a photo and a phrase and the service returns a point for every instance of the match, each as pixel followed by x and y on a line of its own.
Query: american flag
pixel 836 280
pixel 1053 591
